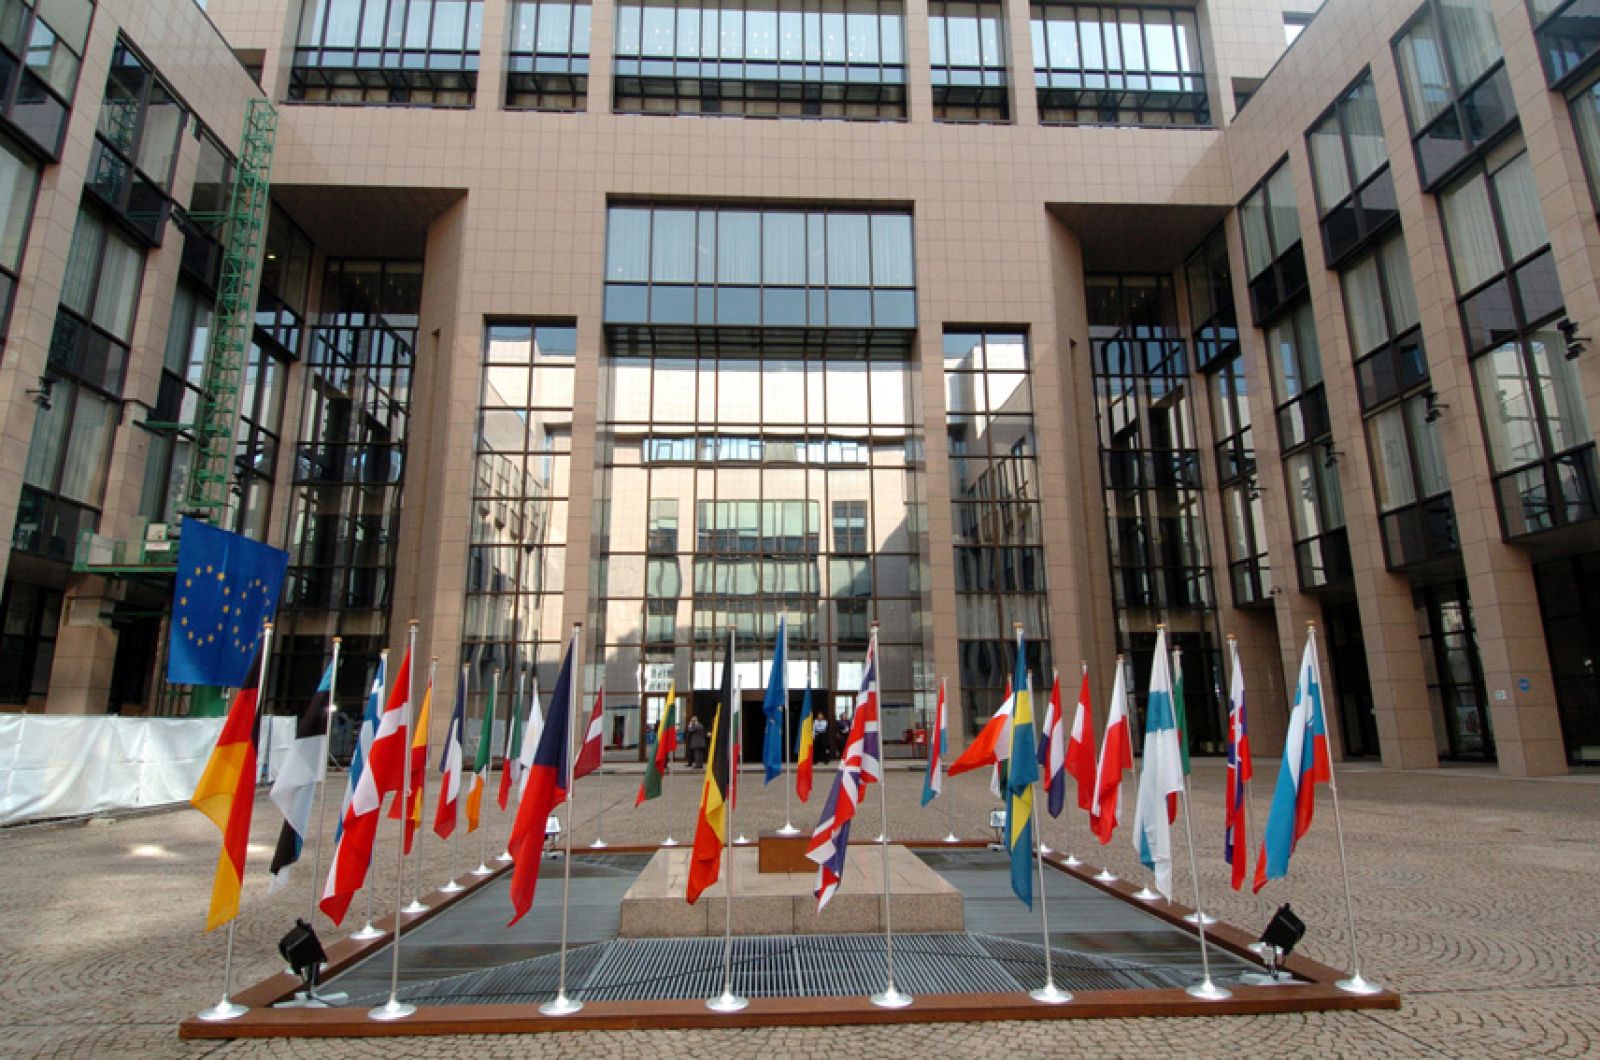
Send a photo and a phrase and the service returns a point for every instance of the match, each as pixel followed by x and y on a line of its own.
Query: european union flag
pixel 227 585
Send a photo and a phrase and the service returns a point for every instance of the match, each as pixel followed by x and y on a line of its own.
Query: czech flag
pixel 226 794
pixel 1116 757
pixel 1306 763
pixel 548 782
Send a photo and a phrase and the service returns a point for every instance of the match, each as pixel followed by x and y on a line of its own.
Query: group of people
pixel 827 739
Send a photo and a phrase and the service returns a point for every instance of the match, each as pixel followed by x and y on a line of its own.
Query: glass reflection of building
pixel 760 456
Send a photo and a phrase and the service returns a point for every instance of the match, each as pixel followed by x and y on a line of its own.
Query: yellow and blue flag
pixel 1021 775
pixel 226 586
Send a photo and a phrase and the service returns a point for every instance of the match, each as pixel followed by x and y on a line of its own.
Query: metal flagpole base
pixel 367 932
pixel 504 856
pixel 727 1001
pixel 221 1011
pixel 1278 978
pixel 414 907
pixel 1200 918
pixel 1357 984
pixel 1208 991
pixel 1072 862
pixel 881 838
pixel 393 1009
pixel 788 829
pixel 1045 850
pixel 452 888
pixel 599 844
pixel 560 1005
pixel 1260 949
pixel 1106 876
pixel 1145 894
pixel 891 998
pixel 669 842
pixel 482 870
pixel 951 837
pixel 741 842
pixel 1050 994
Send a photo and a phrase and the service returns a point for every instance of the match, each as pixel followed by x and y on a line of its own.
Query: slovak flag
pixel 860 767
pixel 1240 771
pixel 1116 757
pixel 1053 751
pixel 1306 763
pixel 938 747
pixel 444 812
pixel 354 833
pixel 1080 746
pixel 548 781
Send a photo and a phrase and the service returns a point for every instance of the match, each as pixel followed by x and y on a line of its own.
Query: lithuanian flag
pixel 666 742
pixel 226 794
pixel 711 831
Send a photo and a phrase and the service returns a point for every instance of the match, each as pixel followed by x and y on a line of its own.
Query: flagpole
pixel 483 868
pixel 561 1004
pixel 1071 861
pixel 1043 847
pixel 394 1008
pixel 417 905
pixel 1258 947
pixel 505 761
pixel 368 930
pixel 1049 993
pixel 1206 990
pixel 1199 914
pixel 322 791
pixel 672 697
pixel 891 996
pixel 1356 983
pixel 941 722
pixel 1144 893
pixel 728 1001
pixel 227 1008
pixel 788 819
pixel 451 886
pixel 599 807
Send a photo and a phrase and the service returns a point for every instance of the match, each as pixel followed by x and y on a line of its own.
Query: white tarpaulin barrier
pixel 59 766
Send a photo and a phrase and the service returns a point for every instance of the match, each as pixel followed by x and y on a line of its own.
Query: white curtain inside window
pixel 1508 412
pixel 1422 73
pixel 1397 282
pixel 1518 199
pixel 1470 35
pixel 1391 464
pixel 1469 230
pixel 83 471
pixel 1363 125
pixel 1363 306
pixel 17 181
pixel 1326 147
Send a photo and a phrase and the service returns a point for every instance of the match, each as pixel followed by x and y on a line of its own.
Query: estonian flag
pixel 295 790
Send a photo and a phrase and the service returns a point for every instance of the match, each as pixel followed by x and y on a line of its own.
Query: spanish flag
pixel 711 831
pixel 419 769
pixel 226 794
pixel 666 741
pixel 802 782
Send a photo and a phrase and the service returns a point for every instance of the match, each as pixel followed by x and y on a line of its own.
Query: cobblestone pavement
pixel 1477 897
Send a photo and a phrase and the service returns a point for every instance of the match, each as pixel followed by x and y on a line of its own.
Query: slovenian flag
pixel 938 747
pixel 1306 763
pixel 548 782
pixel 1116 757
pixel 1161 780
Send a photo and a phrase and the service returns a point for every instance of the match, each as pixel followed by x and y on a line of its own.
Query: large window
pixel 1244 515
pixel 1118 65
pixel 41 49
pixel 1453 80
pixel 1567 35
pixel 967 60
pixel 1355 191
pixel 406 52
pixel 136 144
pixel 1213 323
pixel 777 268
pixel 774 58
pixel 171 423
pixel 1385 329
pixel 1273 257
pixel 548 65
pixel 517 555
pixel 19 182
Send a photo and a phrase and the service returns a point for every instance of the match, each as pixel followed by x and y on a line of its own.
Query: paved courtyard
pixel 1477 897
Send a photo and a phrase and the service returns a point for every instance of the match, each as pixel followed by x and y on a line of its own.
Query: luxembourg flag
pixel 1240 771
pixel 1116 757
pixel 444 813
pixel 1080 746
pixel 938 747
pixel 1053 751
pixel 1306 763
pixel 1161 780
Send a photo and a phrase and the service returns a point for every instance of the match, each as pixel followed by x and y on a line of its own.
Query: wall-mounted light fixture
pixel 41 396
pixel 1435 406
pixel 1575 342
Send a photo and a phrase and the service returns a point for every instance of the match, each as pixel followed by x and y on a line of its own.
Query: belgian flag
pixel 227 792
pixel 711 831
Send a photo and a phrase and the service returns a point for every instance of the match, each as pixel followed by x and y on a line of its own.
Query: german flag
pixel 711 831
pixel 226 794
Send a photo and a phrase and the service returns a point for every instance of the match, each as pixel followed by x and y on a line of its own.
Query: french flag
pixel 1080 747
pixel 1053 751
pixel 1306 763
pixel 548 780
pixel 444 813
pixel 1240 771
pixel 1116 757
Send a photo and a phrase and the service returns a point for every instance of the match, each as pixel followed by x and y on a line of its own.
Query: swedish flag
pixel 1022 772
pixel 226 586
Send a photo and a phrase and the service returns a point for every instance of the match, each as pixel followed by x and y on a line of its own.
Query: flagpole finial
pixel 338 640
pixel 412 623
pixel 1311 625
pixel 495 671
pixel 1161 626
pixel 1177 650
pixel 266 627
pixel 1232 638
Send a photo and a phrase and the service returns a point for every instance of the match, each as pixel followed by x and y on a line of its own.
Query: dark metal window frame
pixel 1370 202
pixel 969 93
pixel 21 87
pixel 1070 90
pixel 1462 110
pixel 547 80
pixel 115 177
pixel 1277 285
pixel 1568 39
pixel 386 74
pixel 1215 334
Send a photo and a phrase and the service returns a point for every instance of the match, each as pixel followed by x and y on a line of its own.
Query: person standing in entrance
pixel 694 738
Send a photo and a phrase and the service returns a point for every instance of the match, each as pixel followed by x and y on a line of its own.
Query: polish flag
pixel 1116 756
pixel 1080 746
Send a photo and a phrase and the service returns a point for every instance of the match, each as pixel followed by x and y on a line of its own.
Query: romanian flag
pixel 226 794
pixel 482 759
pixel 419 768
pixel 549 777
pixel 711 830
pixel 806 753
pixel 666 742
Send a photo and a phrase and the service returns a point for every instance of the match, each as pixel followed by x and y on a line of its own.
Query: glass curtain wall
pixel 41 50
pixel 420 53
pixel 349 472
pixel 1454 83
pixel 1118 65
pixel 967 61
pixel 547 67
pixel 516 560
pixel 994 493
pixel 1150 472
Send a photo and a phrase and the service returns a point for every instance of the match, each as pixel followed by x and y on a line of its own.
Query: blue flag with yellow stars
pixel 226 586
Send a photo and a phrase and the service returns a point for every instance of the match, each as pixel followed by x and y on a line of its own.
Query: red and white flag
pixel 532 730
pixel 1116 757
pixel 589 755
pixel 1080 746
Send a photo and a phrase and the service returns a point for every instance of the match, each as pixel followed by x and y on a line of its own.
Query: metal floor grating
pixel 788 966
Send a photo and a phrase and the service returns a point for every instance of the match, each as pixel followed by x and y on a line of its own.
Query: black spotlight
pixel 1284 932
pixel 303 952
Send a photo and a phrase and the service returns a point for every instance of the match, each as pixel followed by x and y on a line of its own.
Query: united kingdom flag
pixel 859 767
